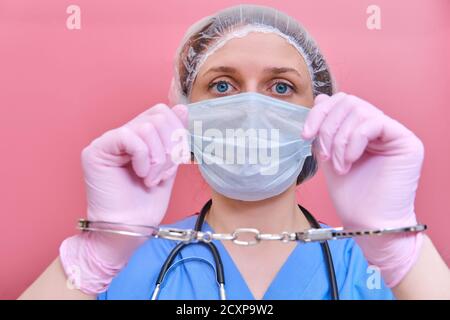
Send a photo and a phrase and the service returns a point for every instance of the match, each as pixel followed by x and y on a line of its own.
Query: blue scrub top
pixel 192 276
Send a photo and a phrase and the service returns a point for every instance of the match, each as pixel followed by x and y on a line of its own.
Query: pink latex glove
pixel 372 165
pixel 129 173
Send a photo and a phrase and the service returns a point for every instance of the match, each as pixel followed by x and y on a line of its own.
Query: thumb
pixel 181 112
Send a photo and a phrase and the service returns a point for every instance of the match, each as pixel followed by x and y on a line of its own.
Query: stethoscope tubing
pixel 220 274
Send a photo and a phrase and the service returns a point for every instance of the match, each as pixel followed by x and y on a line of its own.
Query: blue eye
pixel 281 88
pixel 221 86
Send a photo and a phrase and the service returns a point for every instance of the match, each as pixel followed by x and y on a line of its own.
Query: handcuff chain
pixel 310 235
pixel 190 235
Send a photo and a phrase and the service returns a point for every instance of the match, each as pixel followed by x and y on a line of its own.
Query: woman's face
pixel 259 62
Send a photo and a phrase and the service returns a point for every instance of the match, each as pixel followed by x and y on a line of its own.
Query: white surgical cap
pixel 210 33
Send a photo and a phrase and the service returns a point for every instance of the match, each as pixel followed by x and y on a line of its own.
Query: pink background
pixel 61 88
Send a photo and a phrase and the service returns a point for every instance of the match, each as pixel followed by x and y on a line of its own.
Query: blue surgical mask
pixel 248 146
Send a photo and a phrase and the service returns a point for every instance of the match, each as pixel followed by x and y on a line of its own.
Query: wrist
pixel 91 260
pixel 394 255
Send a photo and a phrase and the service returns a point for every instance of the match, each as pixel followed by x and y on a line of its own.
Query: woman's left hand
pixel 372 165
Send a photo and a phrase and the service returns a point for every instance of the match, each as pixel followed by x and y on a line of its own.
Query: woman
pixel 372 164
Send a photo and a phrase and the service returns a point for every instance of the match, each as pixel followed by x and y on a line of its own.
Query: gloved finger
pixel 149 115
pixel 157 156
pixel 367 131
pixel 118 141
pixel 181 112
pixel 166 122
pixel 141 118
pixel 397 139
pixel 341 140
pixel 180 151
pixel 147 132
pixel 318 114
pixel 168 126
pixel 321 98
pixel 331 124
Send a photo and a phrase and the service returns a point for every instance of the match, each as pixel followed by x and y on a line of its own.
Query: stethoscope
pixel 220 276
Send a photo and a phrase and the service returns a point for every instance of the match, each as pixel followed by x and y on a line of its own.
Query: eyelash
pixel 213 84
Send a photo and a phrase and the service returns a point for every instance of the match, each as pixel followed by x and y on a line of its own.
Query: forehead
pixel 256 50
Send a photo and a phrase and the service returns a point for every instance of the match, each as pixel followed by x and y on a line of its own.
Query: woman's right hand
pixel 129 173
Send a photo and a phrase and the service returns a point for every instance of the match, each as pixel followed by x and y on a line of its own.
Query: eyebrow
pixel 272 70
pixel 222 69
pixel 280 70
